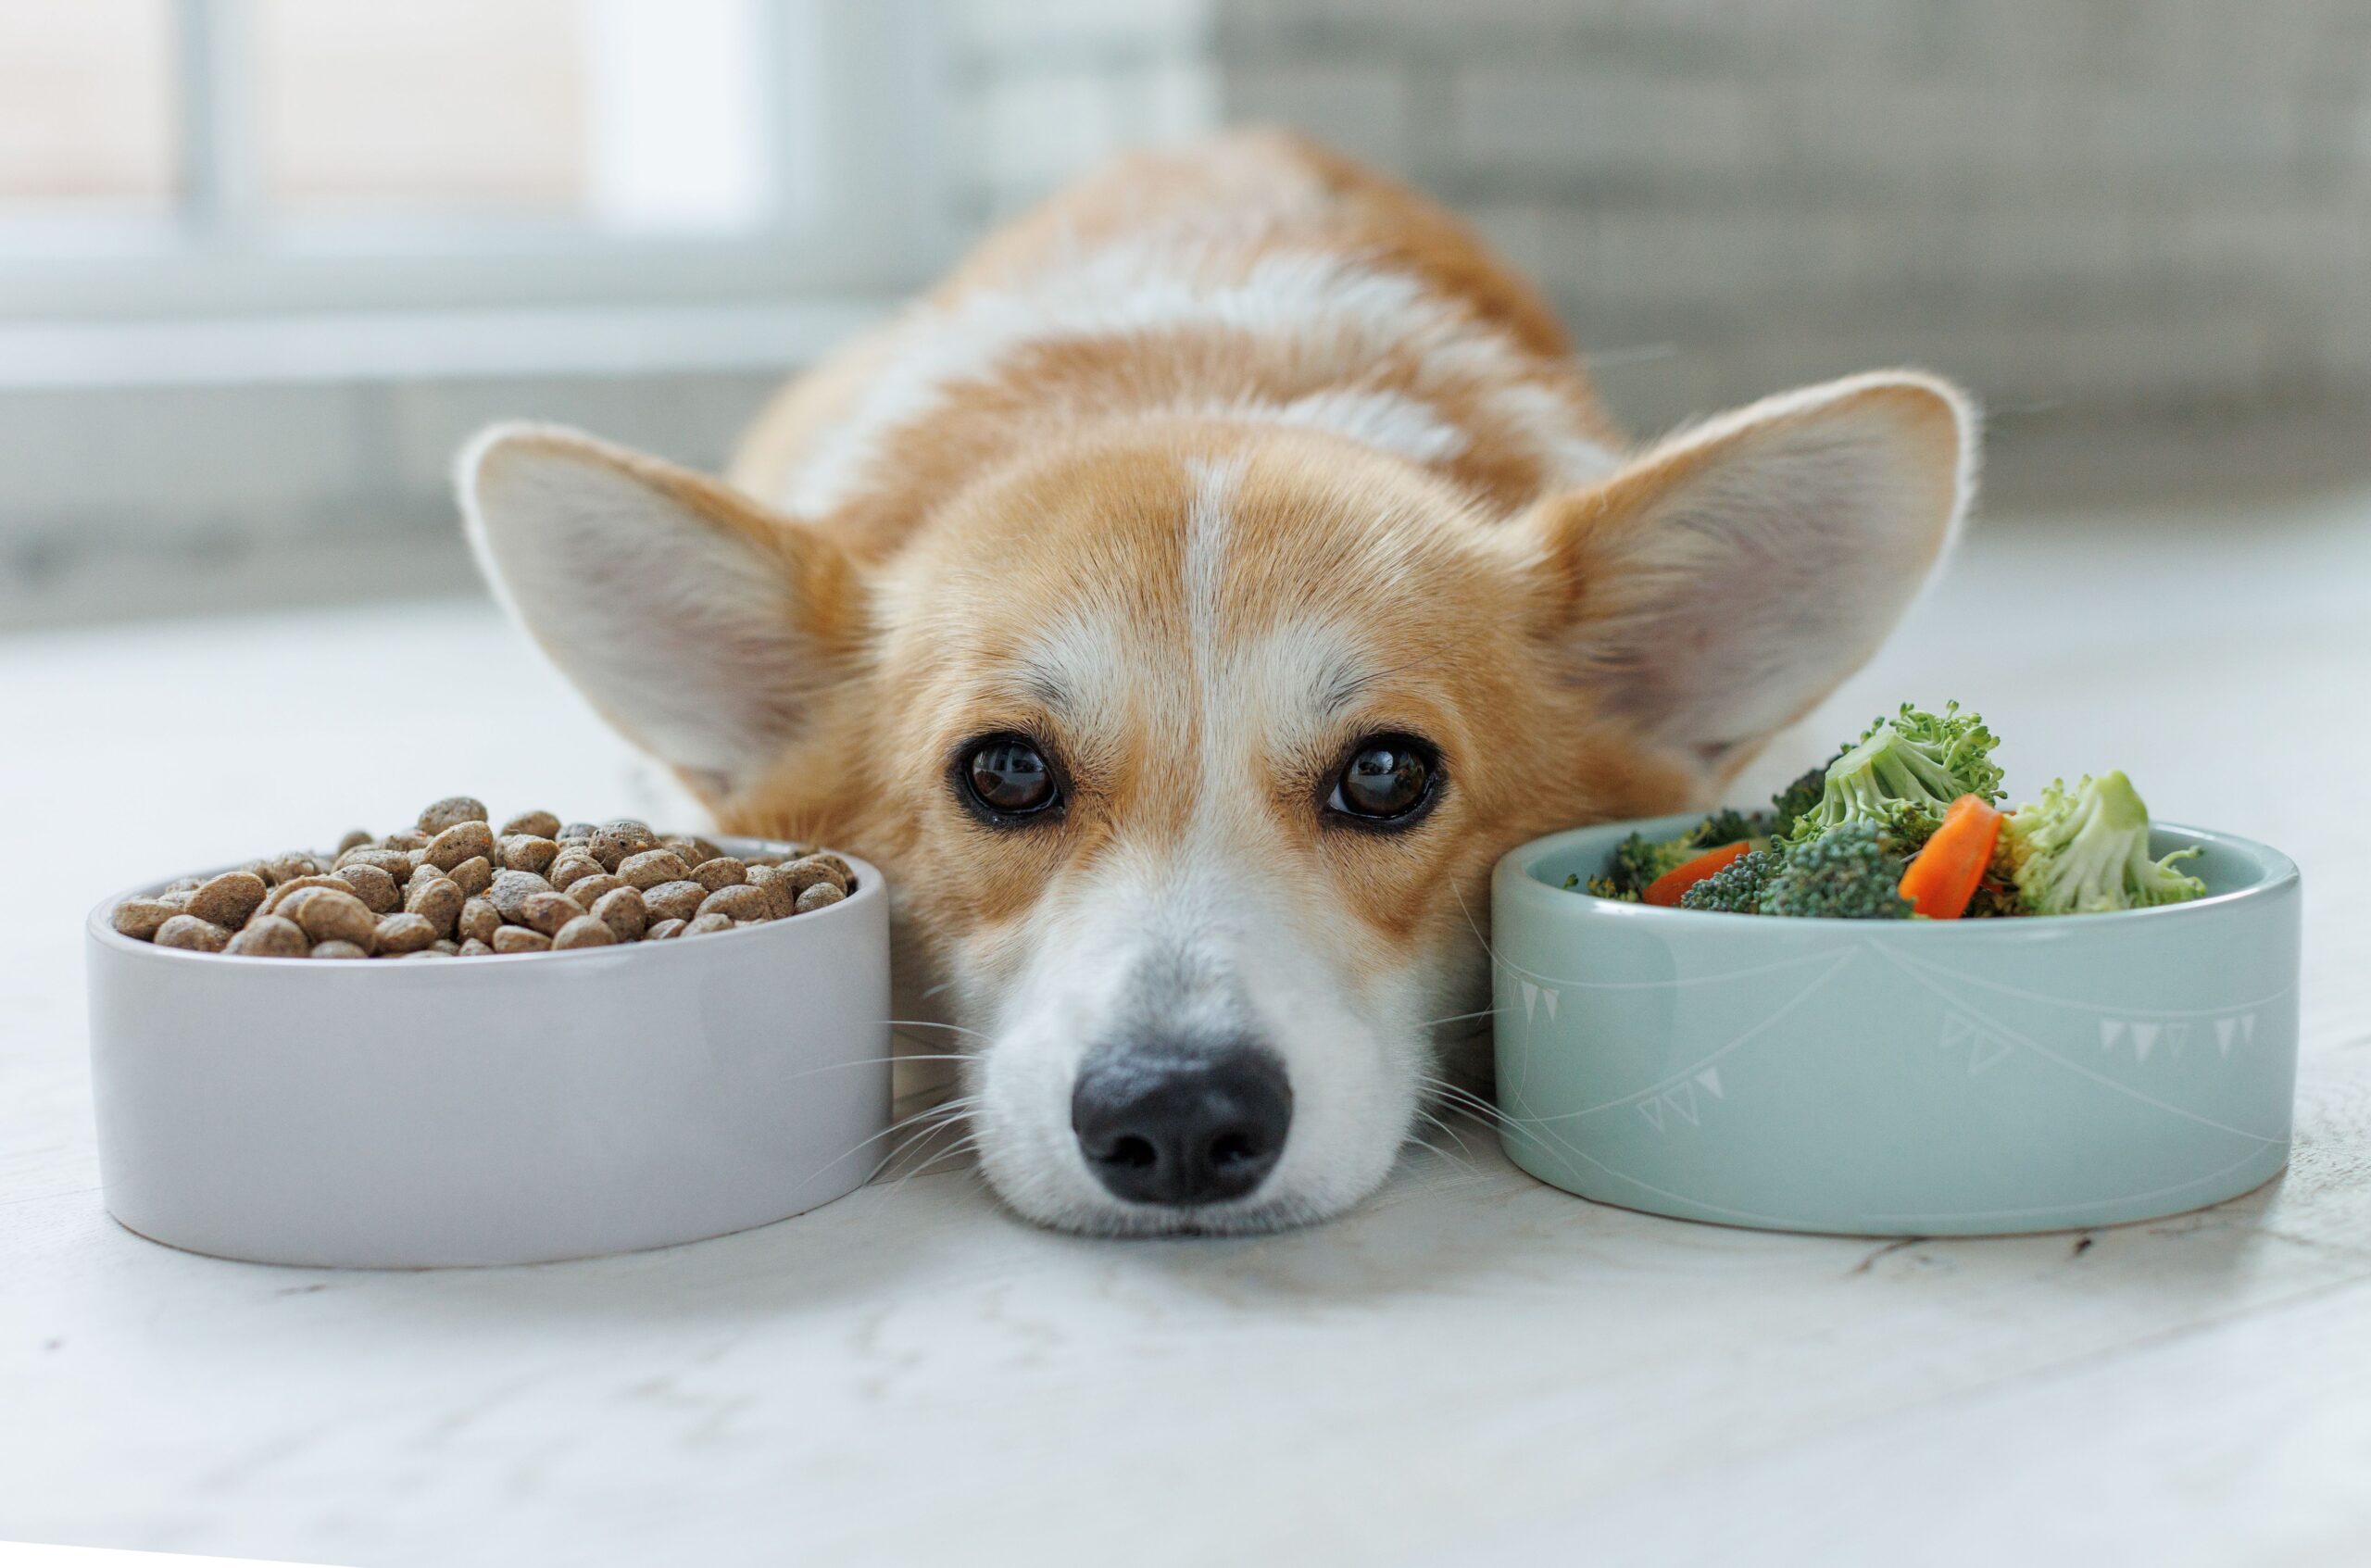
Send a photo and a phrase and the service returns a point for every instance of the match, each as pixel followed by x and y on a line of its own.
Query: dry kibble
pixel 781 896
pixel 141 918
pixel 613 842
pixel 437 899
pixel 652 867
pixel 808 872
pixel 374 887
pixel 329 915
pixel 269 936
pixel 395 862
pixel 721 871
pixel 289 866
pixel 479 919
pixel 623 911
pixel 190 932
pixel 229 899
pixel 547 912
pixel 511 889
pixel 584 931
pixel 452 886
pixel 404 933
pixel 587 890
pixel 742 902
pixel 692 849
pixel 570 866
pixel 675 900
pixel 449 812
pixel 462 841
pixel 287 890
pixel 528 852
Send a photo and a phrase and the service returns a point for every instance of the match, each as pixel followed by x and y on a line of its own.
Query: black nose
pixel 1179 1126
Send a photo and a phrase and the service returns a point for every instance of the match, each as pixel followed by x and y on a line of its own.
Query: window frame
pixel 855 204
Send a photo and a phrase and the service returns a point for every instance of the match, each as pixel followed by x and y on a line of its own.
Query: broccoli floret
pixel 1797 798
pixel 1736 888
pixel 1903 773
pixel 2086 851
pixel 1725 826
pixel 1848 873
pixel 1603 886
pixel 1638 860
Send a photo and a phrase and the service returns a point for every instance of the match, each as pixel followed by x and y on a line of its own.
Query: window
pixel 202 157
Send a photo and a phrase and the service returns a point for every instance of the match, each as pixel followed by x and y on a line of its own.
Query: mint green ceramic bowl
pixel 1897 1077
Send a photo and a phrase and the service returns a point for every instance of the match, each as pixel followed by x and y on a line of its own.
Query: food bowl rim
pixel 1515 877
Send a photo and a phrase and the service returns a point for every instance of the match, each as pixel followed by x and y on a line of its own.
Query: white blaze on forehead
pixel 1207 527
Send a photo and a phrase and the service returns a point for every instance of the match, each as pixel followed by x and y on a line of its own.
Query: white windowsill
pixel 409 346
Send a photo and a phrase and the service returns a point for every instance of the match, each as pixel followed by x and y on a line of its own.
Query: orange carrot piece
pixel 1665 889
pixel 1943 877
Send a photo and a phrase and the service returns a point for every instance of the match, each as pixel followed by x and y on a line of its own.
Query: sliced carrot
pixel 1943 878
pixel 1665 889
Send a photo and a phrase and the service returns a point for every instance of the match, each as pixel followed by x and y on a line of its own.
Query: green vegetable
pixel 2086 851
pixel 1638 860
pixel 1849 872
pixel 1902 775
pixel 1736 888
pixel 1798 797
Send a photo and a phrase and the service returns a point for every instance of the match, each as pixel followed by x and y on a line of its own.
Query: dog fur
pixel 1213 465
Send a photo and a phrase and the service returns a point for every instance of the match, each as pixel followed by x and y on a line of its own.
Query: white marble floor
pixel 1472 1368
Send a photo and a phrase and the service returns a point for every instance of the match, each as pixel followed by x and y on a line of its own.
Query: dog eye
pixel 1007 775
pixel 1388 779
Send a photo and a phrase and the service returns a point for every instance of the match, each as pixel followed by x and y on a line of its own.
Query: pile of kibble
pixel 457 886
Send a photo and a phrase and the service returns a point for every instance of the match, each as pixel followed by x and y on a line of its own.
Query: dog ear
pixel 1717 588
pixel 703 626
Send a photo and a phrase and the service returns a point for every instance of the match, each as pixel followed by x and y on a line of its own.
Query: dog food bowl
pixel 1897 1077
pixel 493 1109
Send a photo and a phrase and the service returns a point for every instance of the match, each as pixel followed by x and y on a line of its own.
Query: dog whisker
pixel 934 1023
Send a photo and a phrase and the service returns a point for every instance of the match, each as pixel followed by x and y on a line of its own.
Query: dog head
pixel 1189 747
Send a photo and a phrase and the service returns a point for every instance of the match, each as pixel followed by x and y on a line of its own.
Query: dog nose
pixel 1179 1127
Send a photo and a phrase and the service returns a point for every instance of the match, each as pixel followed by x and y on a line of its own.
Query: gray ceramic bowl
pixel 1897 1077
pixel 503 1109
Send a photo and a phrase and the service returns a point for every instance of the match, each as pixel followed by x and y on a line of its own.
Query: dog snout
pixel 1181 1127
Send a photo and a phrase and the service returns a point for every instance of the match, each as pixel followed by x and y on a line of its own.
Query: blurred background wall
pixel 2140 228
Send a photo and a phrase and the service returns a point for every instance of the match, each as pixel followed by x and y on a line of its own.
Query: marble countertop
pixel 1470 1368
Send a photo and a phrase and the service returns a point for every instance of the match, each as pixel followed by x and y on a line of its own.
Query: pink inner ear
pixel 1728 581
pixel 677 616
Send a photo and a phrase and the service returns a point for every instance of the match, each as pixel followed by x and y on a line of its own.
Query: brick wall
pixel 2095 205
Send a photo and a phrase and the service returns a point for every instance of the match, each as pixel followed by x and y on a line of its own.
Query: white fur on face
pixel 1195 937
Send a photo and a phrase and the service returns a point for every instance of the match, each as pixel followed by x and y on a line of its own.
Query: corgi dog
pixel 1186 604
